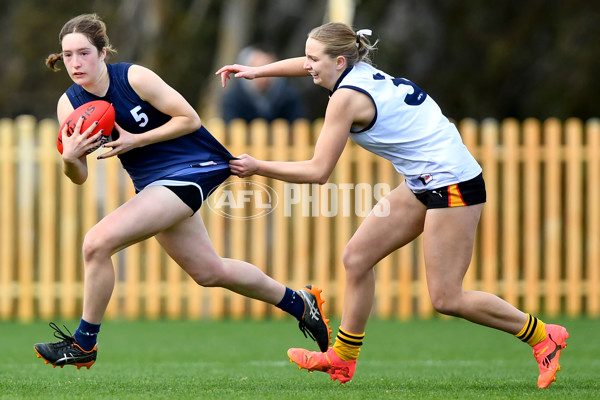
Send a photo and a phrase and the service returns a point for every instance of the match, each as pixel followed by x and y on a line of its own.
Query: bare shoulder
pixel 144 81
pixel 63 108
pixel 353 103
pixel 138 74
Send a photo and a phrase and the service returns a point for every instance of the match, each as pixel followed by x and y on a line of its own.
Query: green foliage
pixel 431 359
pixel 477 59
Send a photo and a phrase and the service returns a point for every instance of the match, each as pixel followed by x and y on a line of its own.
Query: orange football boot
pixel 325 362
pixel 547 353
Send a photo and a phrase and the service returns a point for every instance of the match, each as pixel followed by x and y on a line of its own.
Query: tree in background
pixel 478 59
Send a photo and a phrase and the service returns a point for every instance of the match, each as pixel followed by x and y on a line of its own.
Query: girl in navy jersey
pixel 174 163
pixel 441 197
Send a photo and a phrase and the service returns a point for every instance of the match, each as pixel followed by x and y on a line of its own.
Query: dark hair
pixel 341 40
pixel 89 25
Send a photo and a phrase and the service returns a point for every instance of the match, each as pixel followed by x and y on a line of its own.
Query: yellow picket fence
pixel 538 245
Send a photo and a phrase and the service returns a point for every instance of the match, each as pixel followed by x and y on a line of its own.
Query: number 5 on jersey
pixel 139 116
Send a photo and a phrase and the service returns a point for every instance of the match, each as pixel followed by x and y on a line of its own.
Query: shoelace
pixel 305 330
pixel 59 334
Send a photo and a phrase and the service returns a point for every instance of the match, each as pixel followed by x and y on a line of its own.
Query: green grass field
pixel 433 359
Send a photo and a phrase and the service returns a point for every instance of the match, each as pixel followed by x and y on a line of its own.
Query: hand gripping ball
pixel 97 110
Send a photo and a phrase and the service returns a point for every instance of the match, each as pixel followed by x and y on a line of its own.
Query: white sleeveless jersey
pixel 410 130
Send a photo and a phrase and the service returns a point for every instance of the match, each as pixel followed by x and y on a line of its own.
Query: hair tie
pixel 362 33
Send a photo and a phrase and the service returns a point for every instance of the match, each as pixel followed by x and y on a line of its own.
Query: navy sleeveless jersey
pixel 155 161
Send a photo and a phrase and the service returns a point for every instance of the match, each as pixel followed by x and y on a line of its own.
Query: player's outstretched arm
pixel 287 67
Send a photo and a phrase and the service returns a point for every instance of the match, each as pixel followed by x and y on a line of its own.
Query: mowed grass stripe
pixel 438 358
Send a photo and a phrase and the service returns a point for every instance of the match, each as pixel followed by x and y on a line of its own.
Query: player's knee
pixel 353 260
pixel 349 258
pixel 94 247
pixel 211 274
pixel 445 304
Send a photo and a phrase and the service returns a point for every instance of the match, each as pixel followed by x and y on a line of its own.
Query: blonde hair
pixel 89 25
pixel 341 40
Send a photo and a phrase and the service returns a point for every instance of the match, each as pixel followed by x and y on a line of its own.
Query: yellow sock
pixel 347 345
pixel 533 332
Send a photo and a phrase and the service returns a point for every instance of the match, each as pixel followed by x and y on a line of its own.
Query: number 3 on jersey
pixel 139 116
pixel 416 97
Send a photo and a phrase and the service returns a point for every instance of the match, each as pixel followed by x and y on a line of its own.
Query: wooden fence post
pixel 490 214
pixel 574 216
pixel 553 186
pixel 259 240
pixel 592 232
pixel 532 230
pixel 48 219
pixel 8 187
pixel 26 128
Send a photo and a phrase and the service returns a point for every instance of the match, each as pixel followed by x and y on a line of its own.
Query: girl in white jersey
pixel 442 195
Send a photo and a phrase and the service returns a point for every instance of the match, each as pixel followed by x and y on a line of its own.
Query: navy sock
pixel 86 335
pixel 292 303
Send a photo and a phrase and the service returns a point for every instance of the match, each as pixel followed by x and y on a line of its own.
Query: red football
pixel 97 110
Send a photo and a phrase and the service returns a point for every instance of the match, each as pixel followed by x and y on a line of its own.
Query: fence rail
pixel 538 244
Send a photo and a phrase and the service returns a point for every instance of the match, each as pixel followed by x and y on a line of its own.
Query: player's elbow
pixel 78 180
pixel 321 172
pixel 194 122
pixel 312 177
pixel 321 176
pixel 76 176
pixel 189 122
pixel 322 179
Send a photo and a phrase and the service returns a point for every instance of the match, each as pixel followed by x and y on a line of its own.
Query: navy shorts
pixel 192 185
pixel 461 194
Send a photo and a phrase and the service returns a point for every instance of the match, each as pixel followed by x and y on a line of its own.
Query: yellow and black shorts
pixel 461 194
